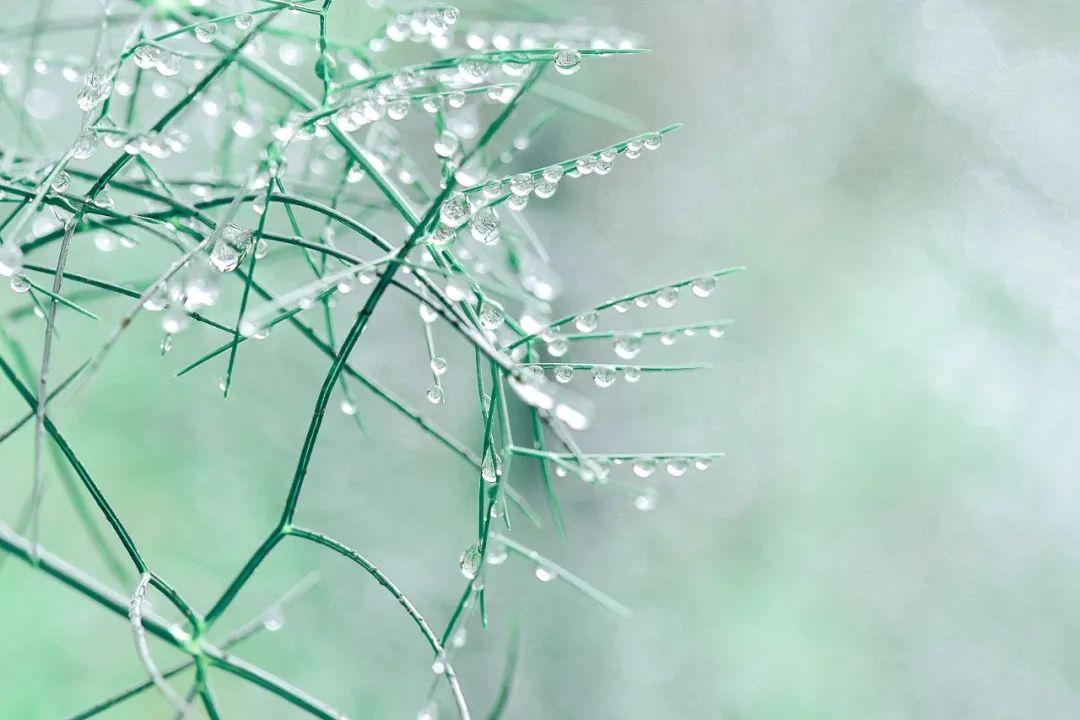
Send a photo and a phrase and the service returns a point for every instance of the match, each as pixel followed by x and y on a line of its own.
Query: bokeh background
pixel 893 532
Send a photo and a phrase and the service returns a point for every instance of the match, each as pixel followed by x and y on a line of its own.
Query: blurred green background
pixel 891 534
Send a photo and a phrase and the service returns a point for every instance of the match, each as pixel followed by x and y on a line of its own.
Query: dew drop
pixel 491 316
pixel 430 711
pixel 485 226
pixel 521 184
pixel 470 561
pixel 544 574
pixel 348 408
pixel 397 109
pixel 205 32
pixel 435 395
pixel 627 346
pixel 19 284
pixel 668 338
pixel 587 322
pixel 644 467
pixel 646 501
pixel 716 332
pixel 459 638
pixel 447 144
pixel 244 21
pixel 702 464
pixel 643 301
pixel 567 61
pixel 496 553
pixel 604 376
pixel 557 347
pixel 631 374
pixel 455 100
pixel 455 210
pixel 677 467
pixel 703 287
pixel 667 297
pixel 564 373
pixel 438 364
pixel 652 141
pixel 61 182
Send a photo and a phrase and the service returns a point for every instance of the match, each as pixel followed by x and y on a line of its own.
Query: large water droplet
pixel 205 32
pixel 703 287
pixel 455 210
pixel 604 376
pixel 470 561
pixel 485 226
pixel 564 373
pixel 628 346
pixel 644 467
pixel 567 61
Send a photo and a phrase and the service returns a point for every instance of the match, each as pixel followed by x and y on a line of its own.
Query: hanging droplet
pixel 703 287
pixel 457 289
pixel 646 501
pixel 427 313
pixel 243 21
pixel 517 203
pixel 61 182
pixel 455 100
pixel 205 32
pixel 567 61
pixel 470 561
pixel 521 184
pixel 564 373
pixel 667 297
pixel 557 347
pixel 348 408
pixel 631 373
pixel 491 316
pixel 455 210
pixel 716 332
pixel 443 235
pixel 496 553
pixel 19 284
pixel 643 301
pixel 11 258
pixel 702 464
pixel 603 376
pixel 644 467
pixel 447 144
pixel 668 338
pixel 652 141
pixel 544 574
pixel 628 346
pixel 544 189
pixel 677 467
pixel 438 365
pixel 493 190
pixel 587 322
pixel 397 109
pixel 459 638
pixel 435 395
pixel 621 307
pixel 85 145
pixel 232 244
pixel 491 468
pixel 485 226
pixel 166 344
pixel 438 666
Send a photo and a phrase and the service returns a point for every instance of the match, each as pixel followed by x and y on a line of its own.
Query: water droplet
pixel 604 376
pixel 491 468
pixel 643 301
pixel 668 338
pixel 455 100
pixel 205 32
pixel 244 21
pixel 627 346
pixel 85 145
pixel 11 258
pixel 567 61
pixel 644 467
pixel 470 561
pixel 105 242
pixel 232 244
pixel 633 150
pixel 19 284
pixel 564 373
pixel 702 464
pixel 435 395
pixel 677 467
pixel 166 344
pixel 652 141
pixel 557 347
pixel 438 365
pixel 485 226
pixel 61 182
pixel 703 287
pixel 491 316
pixel 457 289
pixel 716 332
pixel 667 297
pixel 447 144
pixel 459 638
pixel 455 210
pixel 496 553
pixel 518 202
pixel 174 321
pixel 397 109
pixel 646 501
pixel 544 574
pixel 587 322
pixel 521 184
pixel 438 666
pixel 348 408
pixel 621 307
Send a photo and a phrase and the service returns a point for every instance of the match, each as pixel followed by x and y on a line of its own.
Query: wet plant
pixel 310 160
